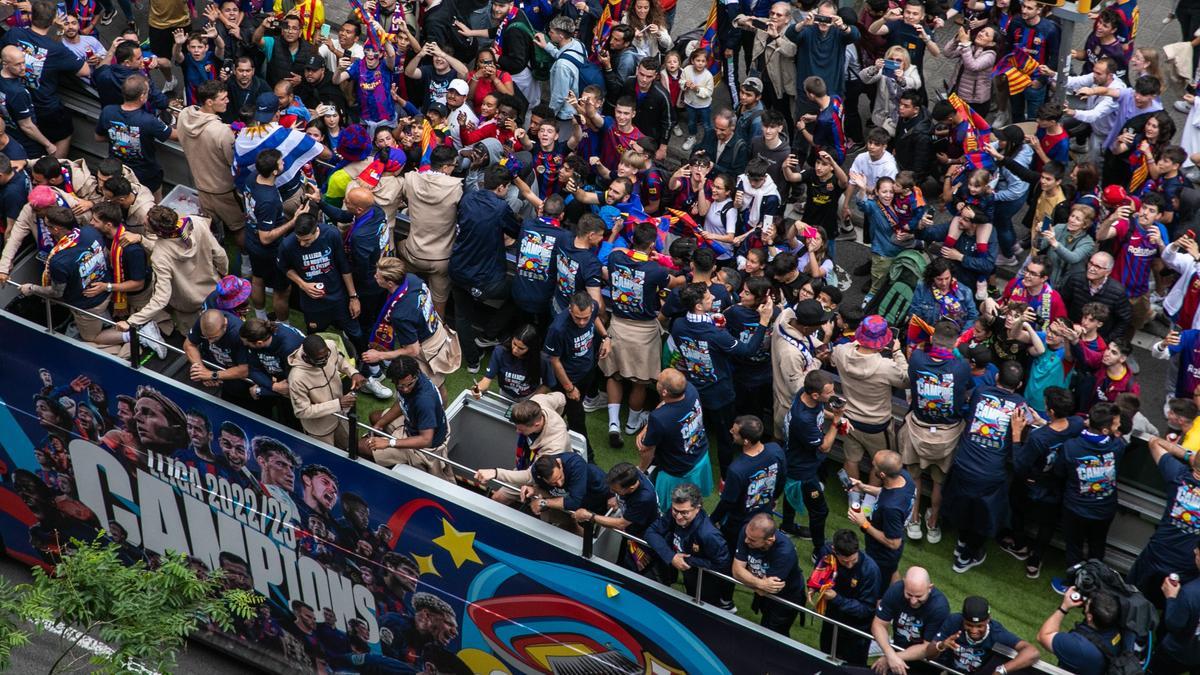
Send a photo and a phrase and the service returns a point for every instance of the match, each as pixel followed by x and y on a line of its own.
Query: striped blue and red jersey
pixel 828 134
pixel 1137 254
pixel 1056 146
pixel 374 88
pixel 1040 41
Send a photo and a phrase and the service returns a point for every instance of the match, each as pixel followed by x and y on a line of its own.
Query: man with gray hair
pixel 684 539
pixel 728 152
pixel 569 57
pixel 1095 284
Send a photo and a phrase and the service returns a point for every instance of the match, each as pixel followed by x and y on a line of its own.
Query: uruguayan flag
pixel 297 147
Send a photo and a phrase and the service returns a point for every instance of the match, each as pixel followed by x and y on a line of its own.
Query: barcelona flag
pixel 1017 69
pixel 611 15
pixel 428 143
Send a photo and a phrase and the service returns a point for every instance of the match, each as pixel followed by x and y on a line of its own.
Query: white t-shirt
pixel 331 59
pixel 716 223
pixel 875 169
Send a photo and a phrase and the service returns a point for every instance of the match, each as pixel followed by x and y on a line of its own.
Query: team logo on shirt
pixel 627 286
pixel 536 251
pixel 691 428
pixel 568 267
pixel 761 487
pixel 126 140
pixel 697 359
pixel 989 425
pixel 935 393
pixel 1185 512
pixel 35 63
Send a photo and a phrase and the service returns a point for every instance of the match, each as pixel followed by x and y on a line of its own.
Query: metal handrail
pixel 588 537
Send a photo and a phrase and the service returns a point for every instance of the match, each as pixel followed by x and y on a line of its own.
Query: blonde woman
pixel 891 75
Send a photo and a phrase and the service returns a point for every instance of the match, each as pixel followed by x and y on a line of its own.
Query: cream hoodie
pixel 315 391
pixel 208 146
pixel 867 381
pixel 183 276
pixel 433 209
pixel 555 438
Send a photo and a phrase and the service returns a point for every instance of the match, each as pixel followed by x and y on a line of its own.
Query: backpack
pixel 589 73
pixel 892 302
pixel 540 64
pixel 1124 662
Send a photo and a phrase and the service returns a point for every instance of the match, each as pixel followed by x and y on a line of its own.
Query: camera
pixel 837 402
pixel 821 18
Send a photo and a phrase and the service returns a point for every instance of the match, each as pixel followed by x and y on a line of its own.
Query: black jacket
pixel 652 114
pixel 324 91
pixel 1075 294
pixel 518 46
pixel 733 160
pixel 437 25
pixel 913 146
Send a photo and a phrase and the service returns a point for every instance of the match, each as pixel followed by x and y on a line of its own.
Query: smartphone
pixel 891 65
pixel 325 30
pixel 821 18
pixel 845 478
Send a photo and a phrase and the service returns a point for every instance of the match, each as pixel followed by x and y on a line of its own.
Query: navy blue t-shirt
pixel 970 657
pixel 79 266
pixel 226 352
pixel 1034 460
pixel 637 284
pixel 804 439
pixel 575 270
pixel 985 444
pixel 704 352
pixel 422 408
pixel 534 281
pixel 574 346
pixel 15 194
pixel 584 484
pixel 15 105
pixel 912 626
pixel 753 483
pixel 269 364
pixel 940 389
pixel 676 432
pixel 264 212
pixel 672 308
pixel 513 374
pixel 889 517
pixel 1089 464
pixel 132 138
pixel 1177 533
pixel 15 151
pixel 753 370
pixel 1076 654
pixel 414 318
pixel 324 261
pixel 778 561
pixel 639 507
pixel 45 59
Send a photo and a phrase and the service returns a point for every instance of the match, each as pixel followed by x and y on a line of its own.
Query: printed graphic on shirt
pixel 35 63
pixel 567 269
pixel 757 564
pixel 909 627
pixel 126 140
pixel 761 488
pixel 935 393
pixel 697 359
pixel 582 344
pixel 428 313
pixel 316 264
pixel 513 381
pixel 536 252
pixel 969 659
pixel 628 286
pixel 691 427
pixel 1097 475
pixel 93 264
pixel 989 426
pixel 271 364
pixel 1185 513
pixel 220 355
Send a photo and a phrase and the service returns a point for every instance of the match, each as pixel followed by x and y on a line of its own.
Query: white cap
pixel 460 86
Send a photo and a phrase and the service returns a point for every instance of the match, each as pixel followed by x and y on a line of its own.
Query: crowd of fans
pixel 488 187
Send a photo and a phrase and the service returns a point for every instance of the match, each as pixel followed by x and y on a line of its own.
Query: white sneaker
pixel 170 85
pixel 376 388
pixel 678 131
pixel 594 403
pixel 914 531
pixel 1183 107
pixel 933 534
pixel 689 143
pixel 152 338
pixel 635 422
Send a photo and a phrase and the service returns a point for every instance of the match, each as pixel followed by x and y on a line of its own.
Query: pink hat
pixel 873 333
pixel 232 292
pixel 42 196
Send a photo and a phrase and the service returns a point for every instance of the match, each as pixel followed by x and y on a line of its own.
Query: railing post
pixel 49 315
pixel 589 532
pixel 352 415
pixel 699 585
pixel 135 348
pixel 833 643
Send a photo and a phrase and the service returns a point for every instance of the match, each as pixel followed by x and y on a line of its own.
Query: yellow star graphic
pixel 461 545
pixel 425 565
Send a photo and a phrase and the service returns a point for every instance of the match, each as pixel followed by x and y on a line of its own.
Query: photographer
pixel 1088 648
pixel 1179 651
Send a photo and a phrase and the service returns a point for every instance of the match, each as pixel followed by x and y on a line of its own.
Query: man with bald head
pixel 673 439
pixel 217 356
pixel 884 530
pixel 1095 284
pixel 915 610
pixel 767 562
pixel 18 105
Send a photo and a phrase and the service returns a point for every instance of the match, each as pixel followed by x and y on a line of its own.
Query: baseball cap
pixel 266 106
pixel 313 62
pixel 460 86
pixel 975 609
pixel 753 84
